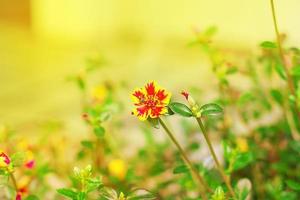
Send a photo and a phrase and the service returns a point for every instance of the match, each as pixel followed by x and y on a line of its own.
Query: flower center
pixel 151 102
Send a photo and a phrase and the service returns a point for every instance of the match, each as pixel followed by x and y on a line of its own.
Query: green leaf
pixel 277 96
pixel 211 109
pixel 67 193
pixel 293 185
pixel 268 45
pixel 99 131
pixel 180 169
pixel 180 109
pixel 81 196
pixel 87 144
pixel 18 159
pixel 242 160
pixel 245 98
pixel 232 70
pixel 280 70
pixel 93 184
pixel 296 71
pixel 80 83
pixel 218 194
pixel 32 197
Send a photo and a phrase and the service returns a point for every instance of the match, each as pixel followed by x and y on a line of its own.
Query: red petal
pixel 138 94
pixel 185 94
pixel 150 88
pixel 156 111
pixel 161 95
pixel 142 110
pixel 30 164
pixel 6 158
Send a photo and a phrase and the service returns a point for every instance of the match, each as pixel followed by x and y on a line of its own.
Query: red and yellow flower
pixel 150 101
pixel 4 159
pixel 21 192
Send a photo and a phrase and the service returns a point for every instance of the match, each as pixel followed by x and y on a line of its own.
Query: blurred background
pixel 44 41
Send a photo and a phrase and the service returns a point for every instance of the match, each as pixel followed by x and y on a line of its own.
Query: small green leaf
pixel 218 194
pixel 99 131
pixel 292 99
pixel 31 197
pixel 93 184
pixel 293 185
pixel 242 160
pixel 280 70
pixel 296 71
pixel 180 109
pixel 87 144
pixel 211 109
pixel 180 169
pixel 81 83
pixel 245 98
pixel 268 45
pixel 277 96
pixel 81 196
pixel 232 70
pixel 170 112
pixel 67 193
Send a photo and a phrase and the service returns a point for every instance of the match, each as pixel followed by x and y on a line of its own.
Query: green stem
pixel 281 53
pixel 14 181
pixel 220 169
pixel 188 162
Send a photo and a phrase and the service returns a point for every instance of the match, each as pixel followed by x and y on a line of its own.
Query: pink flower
pixel 30 164
pixel 4 159
pixel 19 196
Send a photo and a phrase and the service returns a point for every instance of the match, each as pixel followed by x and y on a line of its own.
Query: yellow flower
pixel 99 93
pixel 117 168
pixel 242 144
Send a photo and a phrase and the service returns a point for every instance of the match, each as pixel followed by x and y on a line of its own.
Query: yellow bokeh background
pixel 44 41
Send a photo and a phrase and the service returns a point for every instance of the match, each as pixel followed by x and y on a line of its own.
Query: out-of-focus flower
pixel 117 168
pixel 150 101
pixel 29 160
pixel 24 146
pixel 99 93
pixel 4 159
pixel 19 196
pixel 242 144
pixel 192 103
pixel 20 193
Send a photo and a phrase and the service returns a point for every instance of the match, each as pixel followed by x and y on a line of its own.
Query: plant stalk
pixel 211 149
pixel 196 174
pixel 281 54
pixel 14 181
